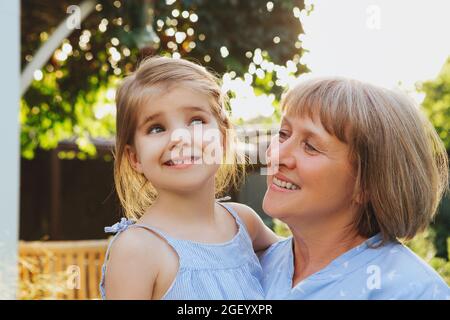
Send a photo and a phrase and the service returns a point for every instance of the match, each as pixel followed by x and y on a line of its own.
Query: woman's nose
pixel 286 154
pixel 280 153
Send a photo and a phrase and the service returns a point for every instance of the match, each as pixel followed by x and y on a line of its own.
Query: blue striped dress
pixel 224 271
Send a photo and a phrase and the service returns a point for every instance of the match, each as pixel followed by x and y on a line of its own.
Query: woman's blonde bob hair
pixel 400 163
pixel 153 76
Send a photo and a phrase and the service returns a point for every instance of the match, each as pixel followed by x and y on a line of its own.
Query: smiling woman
pixel 359 169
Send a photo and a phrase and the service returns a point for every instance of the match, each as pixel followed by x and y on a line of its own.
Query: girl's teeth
pixel 177 162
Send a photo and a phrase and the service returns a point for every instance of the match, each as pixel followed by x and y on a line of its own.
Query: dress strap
pixel 239 221
pixel 156 231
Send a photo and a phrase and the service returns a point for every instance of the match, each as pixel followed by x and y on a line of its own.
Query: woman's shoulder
pixel 409 274
pixel 280 250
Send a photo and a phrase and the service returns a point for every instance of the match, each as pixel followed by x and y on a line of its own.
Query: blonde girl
pixel 177 241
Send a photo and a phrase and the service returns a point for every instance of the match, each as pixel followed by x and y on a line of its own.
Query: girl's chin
pixel 183 184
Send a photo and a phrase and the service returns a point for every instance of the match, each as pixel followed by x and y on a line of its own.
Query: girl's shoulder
pixel 136 241
pixel 142 244
pixel 138 257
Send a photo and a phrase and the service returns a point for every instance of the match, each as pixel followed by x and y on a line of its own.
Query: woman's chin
pixel 274 208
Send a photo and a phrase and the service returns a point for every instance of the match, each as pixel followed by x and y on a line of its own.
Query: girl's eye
pixel 197 121
pixel 155 129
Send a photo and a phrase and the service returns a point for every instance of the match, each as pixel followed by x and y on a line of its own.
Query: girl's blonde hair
pixel 400 163
pixel 154 74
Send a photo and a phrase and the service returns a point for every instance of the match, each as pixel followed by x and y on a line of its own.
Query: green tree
pixel 437 102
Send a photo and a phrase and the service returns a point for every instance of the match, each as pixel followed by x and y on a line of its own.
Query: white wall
pixel 9 145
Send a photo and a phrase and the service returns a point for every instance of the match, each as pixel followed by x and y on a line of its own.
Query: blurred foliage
pixel 441 227
pixel 69 97
pixel 437 102
pixel 281 229
pixel 437 107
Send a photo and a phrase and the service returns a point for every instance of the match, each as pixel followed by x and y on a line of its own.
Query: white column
pixel 9 145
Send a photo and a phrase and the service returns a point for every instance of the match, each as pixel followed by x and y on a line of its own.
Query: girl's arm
pixel 261 235
pixel 131 271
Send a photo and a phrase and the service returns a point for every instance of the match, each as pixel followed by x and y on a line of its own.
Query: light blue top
pixel 391 271
pixel 229 270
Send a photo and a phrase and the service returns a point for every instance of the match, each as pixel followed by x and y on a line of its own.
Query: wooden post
pixel 9 144
pixel 55 194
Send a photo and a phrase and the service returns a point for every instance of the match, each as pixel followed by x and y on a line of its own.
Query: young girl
pixel 179 242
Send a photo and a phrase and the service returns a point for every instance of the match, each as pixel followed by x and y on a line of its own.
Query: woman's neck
pixel 316 245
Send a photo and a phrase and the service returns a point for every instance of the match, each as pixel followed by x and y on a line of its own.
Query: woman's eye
pixel 155 129
pixel 310 148
pixel 197 121
pixel 283 135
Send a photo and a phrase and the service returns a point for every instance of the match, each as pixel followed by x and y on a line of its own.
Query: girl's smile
pixel 182 163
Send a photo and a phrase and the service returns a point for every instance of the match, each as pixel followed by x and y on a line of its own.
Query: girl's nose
pixel 179 138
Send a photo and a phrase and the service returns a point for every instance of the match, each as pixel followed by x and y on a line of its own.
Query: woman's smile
pixel 280 183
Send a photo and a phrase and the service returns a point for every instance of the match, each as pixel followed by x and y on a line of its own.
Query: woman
pixel 359 168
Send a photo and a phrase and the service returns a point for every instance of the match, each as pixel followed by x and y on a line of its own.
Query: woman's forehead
pixel 313 128
pixel 304 123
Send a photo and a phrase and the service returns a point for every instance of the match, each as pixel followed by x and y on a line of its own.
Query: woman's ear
pixel 133 158
pixel 361 198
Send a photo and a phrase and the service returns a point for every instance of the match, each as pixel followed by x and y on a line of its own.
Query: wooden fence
pixel 71 268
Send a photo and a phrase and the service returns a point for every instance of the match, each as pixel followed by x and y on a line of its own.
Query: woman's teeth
pixel 285 184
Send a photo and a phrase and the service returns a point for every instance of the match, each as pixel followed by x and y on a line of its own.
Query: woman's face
pixel 314 179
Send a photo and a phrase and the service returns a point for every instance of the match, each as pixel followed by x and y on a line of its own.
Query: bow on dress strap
pixel 119 226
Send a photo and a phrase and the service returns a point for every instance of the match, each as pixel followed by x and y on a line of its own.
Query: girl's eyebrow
pixel 150 118
pixel 155 116
pixel 194 108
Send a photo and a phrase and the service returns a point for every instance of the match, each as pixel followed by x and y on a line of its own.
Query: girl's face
pixel 172 137
pixel 314 179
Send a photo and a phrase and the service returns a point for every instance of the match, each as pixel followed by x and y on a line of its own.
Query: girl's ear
pixel 133 158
